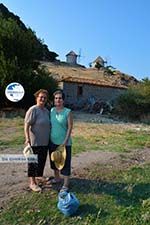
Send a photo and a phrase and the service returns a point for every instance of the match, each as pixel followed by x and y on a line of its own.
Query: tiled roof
pixel 92 82
pixel 90 76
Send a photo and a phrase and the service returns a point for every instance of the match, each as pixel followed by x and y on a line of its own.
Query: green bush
pixel 135 102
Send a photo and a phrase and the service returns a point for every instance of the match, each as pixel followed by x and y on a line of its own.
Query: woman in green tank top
pixel 61 126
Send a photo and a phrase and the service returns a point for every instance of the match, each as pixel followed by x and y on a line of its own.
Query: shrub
pixel 135 102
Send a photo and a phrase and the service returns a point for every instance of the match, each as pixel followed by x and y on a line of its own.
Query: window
pixel 80 91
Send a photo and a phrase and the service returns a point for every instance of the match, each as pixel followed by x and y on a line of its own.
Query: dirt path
pixel 13 177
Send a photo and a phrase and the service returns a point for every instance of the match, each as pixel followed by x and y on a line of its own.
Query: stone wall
pixel 73 97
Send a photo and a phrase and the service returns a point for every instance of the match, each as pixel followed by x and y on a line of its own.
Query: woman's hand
pixel 64 143
pixel 27 141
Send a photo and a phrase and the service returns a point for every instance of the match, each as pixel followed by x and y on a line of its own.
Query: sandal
pixel 35 187
pixel 40 180
pixel 64 189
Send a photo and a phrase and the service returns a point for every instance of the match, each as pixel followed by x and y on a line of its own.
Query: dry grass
pixel 105 134
pixel 61 71
pixel 11 132
pixel 104 130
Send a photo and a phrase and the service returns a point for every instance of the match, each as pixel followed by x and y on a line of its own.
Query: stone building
pixel 99 60
pixel 71 58
pixel 81 85
pixel 79 91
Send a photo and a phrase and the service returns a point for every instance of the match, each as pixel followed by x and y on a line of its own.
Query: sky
pixel 116 30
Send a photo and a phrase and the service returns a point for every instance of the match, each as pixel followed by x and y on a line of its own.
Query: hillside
pixel 64 71
pixel 44 52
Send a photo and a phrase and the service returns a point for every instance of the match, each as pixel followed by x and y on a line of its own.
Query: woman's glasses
pixel 42 97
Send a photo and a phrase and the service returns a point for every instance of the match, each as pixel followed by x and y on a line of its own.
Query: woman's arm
pixel 70 126
pixel 26 133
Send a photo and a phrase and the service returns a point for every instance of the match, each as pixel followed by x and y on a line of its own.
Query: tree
pixel 20 51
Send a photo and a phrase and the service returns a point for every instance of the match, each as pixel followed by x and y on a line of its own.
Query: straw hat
pixel 59 157
pixel 27 151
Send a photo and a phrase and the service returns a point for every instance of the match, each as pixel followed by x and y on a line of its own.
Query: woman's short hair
pixel 59 92
pixel 36 94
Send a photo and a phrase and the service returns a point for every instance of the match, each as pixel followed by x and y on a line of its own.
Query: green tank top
pixel 59 125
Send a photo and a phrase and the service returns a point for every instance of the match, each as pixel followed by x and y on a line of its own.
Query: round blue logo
pixel 14 92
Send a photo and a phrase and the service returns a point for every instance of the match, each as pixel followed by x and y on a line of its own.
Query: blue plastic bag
pixel 67 203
